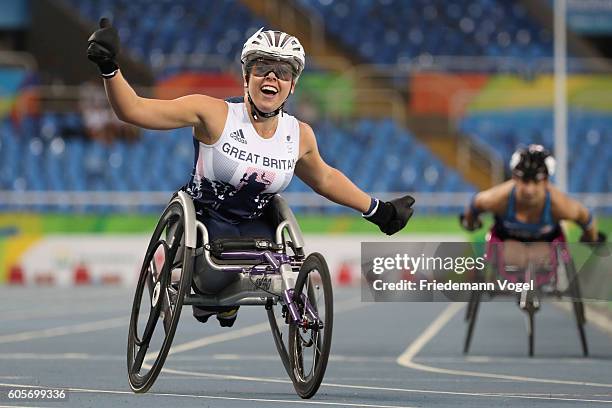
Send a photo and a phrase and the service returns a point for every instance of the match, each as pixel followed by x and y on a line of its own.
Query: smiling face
pixel 269 83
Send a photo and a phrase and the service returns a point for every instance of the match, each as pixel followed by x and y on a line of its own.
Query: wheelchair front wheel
pixel 577 305
pixel 310 344
pixel 165 278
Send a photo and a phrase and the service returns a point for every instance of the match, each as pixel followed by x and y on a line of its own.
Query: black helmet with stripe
pixel 533 162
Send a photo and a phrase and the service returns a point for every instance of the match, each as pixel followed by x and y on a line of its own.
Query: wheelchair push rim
pixel 162 293
pixel 310 341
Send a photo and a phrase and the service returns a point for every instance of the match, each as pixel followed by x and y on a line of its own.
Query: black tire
pixel 473 314
pixel 578 306
pixel 160 296
pixel 277 334
pixel 470 306
pixel 307 376
pixel 531 328
pixel 579 312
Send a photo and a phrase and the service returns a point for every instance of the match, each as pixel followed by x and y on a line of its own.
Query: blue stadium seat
pixel 376 30
pixel 588 137
pixel 153 29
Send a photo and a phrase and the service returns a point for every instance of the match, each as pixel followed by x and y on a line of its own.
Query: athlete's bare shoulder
pixel 308 141
pixel 213 115
pixel 563 207
pixel 495 199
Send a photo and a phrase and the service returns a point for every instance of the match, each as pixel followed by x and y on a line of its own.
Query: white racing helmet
pixel 275 45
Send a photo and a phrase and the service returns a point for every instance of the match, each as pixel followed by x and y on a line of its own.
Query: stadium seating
pixel 386 31
pixel 151 30
pixel 217 28
pixel 589 140
pixel 36 156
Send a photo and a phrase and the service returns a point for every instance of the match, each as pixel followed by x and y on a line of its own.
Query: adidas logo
pixel 238 136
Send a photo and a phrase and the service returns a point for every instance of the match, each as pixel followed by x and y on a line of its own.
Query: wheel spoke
pixel 150 280
pixel 139 359
pixel 150 327
pixel 316 351
pixel 168 309
pixel 299 358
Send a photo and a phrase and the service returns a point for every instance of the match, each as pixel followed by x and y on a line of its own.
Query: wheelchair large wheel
pixel 273 313
pixel 530 310
pixel 472 314
pixel 578 306
pixel 165 278
pixel 530 304
pixel 309 347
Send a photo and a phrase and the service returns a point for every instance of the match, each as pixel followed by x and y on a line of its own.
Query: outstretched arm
pixel 491 200
pixel 192 110
pixel 329 182
pixel 566 208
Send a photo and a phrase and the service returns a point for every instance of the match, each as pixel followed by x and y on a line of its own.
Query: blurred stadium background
pixel 426 96
pixel 422 96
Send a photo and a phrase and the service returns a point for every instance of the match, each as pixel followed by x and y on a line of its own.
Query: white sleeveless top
pixel 235 178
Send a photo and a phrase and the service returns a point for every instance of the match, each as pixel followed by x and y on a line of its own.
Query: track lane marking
pixel 431 330
pixel 406 358
pixel 214 397
pixel 344 306
pixel 65 330
pixel 68 310
pixel 441 320
pixel 548 397
pixel 333 385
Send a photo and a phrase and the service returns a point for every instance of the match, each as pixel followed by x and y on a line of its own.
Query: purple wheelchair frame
pixel 271 265
pixel 558 245
pixel 257 263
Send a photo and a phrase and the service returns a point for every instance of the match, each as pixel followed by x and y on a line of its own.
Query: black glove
pixel 393 215
pixel 598 247
pixel 601 238
pixel 103 48
pixel 475 225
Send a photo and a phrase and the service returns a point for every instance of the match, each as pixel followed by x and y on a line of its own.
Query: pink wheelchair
pixel 559 279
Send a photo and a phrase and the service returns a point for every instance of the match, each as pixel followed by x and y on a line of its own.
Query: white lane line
pixel 214 357
pixel 350 304
pixel 406 358
pixel 65 330
pixel 548 397
pixel 429 332
pixel 593 315
pixel 214 397
pixel 71 297
pixel 348 386
pixel 70 310
pixel 217 338
pixel 22 406
pixel 440 322
pixel 476 359
pixel 274 357
pixel 60 356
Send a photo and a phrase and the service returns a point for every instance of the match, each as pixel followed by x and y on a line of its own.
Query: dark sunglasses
pixel 282 70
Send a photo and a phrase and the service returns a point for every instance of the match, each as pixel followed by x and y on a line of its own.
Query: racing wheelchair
pixel 558 280
pixel 295 290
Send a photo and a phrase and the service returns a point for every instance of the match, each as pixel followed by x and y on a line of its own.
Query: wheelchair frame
pixel 285 277
pixel 529 300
